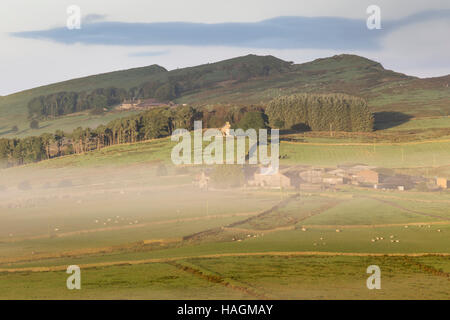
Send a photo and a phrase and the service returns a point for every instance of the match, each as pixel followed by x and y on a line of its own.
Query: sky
pixel 36 47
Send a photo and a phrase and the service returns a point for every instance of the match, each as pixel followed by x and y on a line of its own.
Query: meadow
pixel 137 233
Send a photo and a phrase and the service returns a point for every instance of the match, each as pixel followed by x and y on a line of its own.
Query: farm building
pixel 397 182
pixel 442 183
pixel 368 176
pixel 312 175
pixel 332 179
pixel 277 180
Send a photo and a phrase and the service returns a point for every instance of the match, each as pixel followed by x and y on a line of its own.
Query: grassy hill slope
pixel 257 79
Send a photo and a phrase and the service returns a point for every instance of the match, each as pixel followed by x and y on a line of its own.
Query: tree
pixel 253 120
pixel 34 124
pixel 47 140
pixel 59 138
pixel 320 112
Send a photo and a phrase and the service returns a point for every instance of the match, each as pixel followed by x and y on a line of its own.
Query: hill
pixel 252 80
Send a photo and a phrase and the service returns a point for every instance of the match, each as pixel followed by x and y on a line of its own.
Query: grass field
pixel 137 234
pixel 237 253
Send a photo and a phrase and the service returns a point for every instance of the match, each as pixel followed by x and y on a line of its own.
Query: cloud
pixel 277 33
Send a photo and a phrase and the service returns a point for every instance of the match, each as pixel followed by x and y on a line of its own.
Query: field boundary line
pixel 220 255
pixel 368 226
pixel 368 144
pixel 140 225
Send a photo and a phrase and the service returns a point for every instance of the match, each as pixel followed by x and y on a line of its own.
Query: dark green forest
pixel 320 112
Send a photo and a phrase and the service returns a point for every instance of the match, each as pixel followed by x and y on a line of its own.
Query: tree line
pixel 316 112
pixel 320 112
pixel 62 103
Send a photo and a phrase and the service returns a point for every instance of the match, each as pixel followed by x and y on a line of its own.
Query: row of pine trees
pixel 320 112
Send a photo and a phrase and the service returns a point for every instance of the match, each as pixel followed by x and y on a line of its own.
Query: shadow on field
pixel 390 119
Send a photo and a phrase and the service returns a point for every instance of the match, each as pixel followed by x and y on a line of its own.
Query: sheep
pixel 373 240
pixel 303 229
pixel 337 230
pixel 392 236
pixel 96 221
pixel 438 230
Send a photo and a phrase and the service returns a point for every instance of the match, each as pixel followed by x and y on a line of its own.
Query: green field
pixel 136 249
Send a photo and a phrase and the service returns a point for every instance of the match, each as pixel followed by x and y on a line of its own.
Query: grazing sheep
pixel 96 221
pixel 321 238
pixel 392 236
pixel 337 230
pixel 438 230
pixel 406 227
pixel 303 229
pixel 373 240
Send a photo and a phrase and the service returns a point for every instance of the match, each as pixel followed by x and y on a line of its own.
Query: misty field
pixel 139 231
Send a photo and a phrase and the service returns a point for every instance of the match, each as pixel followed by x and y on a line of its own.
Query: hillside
pixel 253 80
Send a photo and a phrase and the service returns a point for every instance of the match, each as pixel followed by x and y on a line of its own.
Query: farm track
pixel 279 205
pixel 312 213
pixel 217 279
pixel 428 269
pixel 221 255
